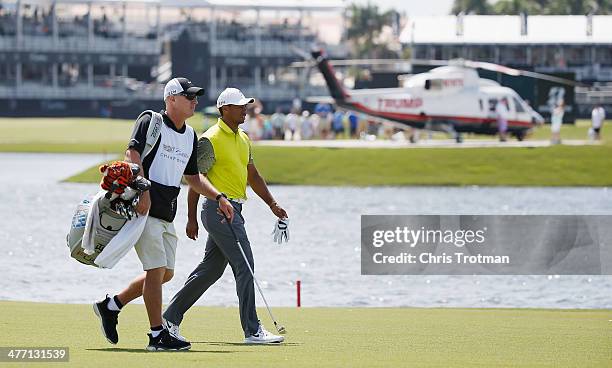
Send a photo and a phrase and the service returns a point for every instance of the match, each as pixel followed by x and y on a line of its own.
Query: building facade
pixel 111 58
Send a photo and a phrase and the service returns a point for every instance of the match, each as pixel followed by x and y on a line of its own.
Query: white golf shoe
pixel 173 329
pixel 263 337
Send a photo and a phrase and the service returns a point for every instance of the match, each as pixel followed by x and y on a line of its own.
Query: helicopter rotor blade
pixel 366 62
pixel 308 63
pixel 518 72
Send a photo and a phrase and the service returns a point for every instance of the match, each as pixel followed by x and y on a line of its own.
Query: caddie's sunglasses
pixel 189 96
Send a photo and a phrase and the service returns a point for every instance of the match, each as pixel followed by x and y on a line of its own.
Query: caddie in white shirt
pixel 165 148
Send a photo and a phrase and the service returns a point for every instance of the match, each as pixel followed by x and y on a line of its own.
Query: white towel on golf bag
pixel 88 243
pixel 121 244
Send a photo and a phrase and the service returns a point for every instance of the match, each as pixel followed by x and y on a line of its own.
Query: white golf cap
pixel 181 85
pixel 233 96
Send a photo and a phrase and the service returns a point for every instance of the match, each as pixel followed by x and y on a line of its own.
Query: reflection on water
pixel 324 252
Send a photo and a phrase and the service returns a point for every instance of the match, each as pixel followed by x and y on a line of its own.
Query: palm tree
pixel 366 23
pixel 471 7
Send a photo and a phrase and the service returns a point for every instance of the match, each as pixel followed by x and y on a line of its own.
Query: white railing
pixel 81 44
pixel 227 47
pixel 274 92
pixel 594 97
pixel 82 91
pixel 266 92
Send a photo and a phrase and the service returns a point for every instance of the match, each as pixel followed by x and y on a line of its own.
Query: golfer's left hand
pixel 226 208
pixel 278 211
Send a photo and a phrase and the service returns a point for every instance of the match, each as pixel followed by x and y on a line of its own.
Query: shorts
pixel 157 244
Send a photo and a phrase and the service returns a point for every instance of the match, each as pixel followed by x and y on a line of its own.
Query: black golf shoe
pixel 166 342
pixel 108 320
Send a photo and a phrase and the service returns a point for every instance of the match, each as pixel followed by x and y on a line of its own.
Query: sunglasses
pixel 188 96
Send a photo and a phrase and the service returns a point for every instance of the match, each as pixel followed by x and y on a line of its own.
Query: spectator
pixel 268 130
pixel 338 123
pixel 556 120
pixel 254 123
pixel 278 123
pixel 315 119
pixel 325 124
pixel 291 124
pixel 502 111
pixel 307 129
pixel 598 115
pixel 353 120
pixel 324 115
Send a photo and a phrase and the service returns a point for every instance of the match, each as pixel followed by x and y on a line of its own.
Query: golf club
pixel 281 329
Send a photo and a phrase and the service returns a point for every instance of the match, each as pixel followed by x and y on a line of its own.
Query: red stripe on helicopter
pixel 417 117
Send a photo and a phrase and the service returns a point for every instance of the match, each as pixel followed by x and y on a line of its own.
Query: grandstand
pixel 252 53
pixel 111 58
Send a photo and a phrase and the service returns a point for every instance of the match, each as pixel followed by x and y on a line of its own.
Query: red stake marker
pixel 298 285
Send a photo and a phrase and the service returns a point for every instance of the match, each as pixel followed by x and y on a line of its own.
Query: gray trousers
pixel 221 248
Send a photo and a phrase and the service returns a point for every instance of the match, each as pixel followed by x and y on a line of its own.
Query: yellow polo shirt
pixel 223 156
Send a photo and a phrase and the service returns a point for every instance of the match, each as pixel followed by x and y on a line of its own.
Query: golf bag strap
pixel 153 132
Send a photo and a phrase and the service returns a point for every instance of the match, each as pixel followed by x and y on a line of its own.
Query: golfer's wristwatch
pixel 220 195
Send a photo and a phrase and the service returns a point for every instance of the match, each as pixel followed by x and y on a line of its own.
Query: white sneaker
pixel 263 337
pixel 173 329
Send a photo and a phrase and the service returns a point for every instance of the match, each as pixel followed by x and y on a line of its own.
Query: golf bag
pixel 99 219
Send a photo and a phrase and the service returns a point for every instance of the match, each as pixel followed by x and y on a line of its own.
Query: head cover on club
pixel 123 187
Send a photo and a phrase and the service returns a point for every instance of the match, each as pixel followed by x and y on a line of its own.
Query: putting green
pixel 328 337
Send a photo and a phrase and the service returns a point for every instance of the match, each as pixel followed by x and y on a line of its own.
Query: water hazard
pixel 324 252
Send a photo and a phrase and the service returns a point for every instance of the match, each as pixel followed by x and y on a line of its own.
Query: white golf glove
pixel 281 231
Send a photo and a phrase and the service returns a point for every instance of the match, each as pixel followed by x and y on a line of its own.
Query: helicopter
pixel 451 98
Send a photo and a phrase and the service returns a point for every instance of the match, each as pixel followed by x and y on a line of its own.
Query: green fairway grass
pixel 73 135
pixel 327 337
pixel 550 166
pixel 547 166
pixel 69 135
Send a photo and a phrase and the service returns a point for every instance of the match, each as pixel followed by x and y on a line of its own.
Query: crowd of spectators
pixel 320 123
pixel 38 21
pixel 234 30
